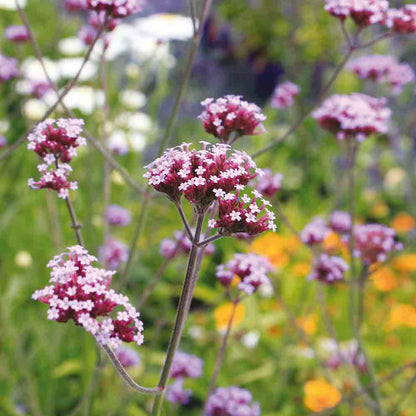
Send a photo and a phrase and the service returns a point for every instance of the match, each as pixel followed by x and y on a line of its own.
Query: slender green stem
pixel 181 314
pixel 75 224
pixel 184 221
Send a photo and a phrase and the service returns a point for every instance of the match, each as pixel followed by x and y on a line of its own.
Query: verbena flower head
pixel 113 253
pixel 56 142
pixel 81 292
pixel 340 222
pixel 39 89
pixel 269 183
pixel 383 69
pixel 127 356
pixel 363 12
pixel 373 242
pixel 180 244
pixel 242 213
pixel 250 269
pixel 116 8
pixel 17 34
pixel 186 365
pixel 117 215
pixel 402 20
pixel 87 35
pixel 328 269
pixel 232 401
pixel 230 117
pixel 196 174
pixel 175 393
pixel 348 354
pixel 284 95
pixel 75 5
pixel 314 232
pixel 3 142
pixel 355 115
pixel 9 68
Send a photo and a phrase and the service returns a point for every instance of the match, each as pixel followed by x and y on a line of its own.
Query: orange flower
pixel 308 323
pixel 384 279
pixel 402 315
pixel 403 222
pixel 405 263
pixel 320 395
pixel 301 269
pixel 380 210
pixel 222 315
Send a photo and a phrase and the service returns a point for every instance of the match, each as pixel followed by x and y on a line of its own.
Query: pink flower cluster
pixel 373 242
pixel 355 115
pixel 180 244
pixel 232 401
pixel 75 5
pixel 242 214
pixel 9 68
pixel 402 20
pixel 363 12
pixel 284 95
pixel 17 34
pixel 113 253
pixel 347 355
pixel 383 69
pixel 39 88
pixel 3 142
pixel 230 117
pixel 183 366
pixel 269 183
pixel 250 268
pixel 340 222
pixel 81 292
pixel 127 356
pixel 117 215
pixel 56 142
pixel 315 232
pixel 116 8
pixel 196 174
pixel 328 269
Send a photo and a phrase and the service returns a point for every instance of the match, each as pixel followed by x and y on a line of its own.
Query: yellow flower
pixel 380 210
pixel 321 395
pixel 403 222
pixel 384 279
pixel 222 315
pixel 301 269
pixel 308 323
pixel 402 315
pixel 405 263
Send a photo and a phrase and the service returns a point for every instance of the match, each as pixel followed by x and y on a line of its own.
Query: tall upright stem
pixel 181 315
pixel 75 224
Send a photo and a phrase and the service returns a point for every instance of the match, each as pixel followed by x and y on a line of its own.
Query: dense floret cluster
pixel 314 232
pixel 113 253
pixel 269 183
pixel 328 269
pixel 116 8
pixel 127 356
pixel 81 292
pixel 340 222
pixel 117 215
pixel 9 68
pixel 284 95
pixel 402 20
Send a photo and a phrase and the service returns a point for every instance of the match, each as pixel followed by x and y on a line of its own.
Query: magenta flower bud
pixel 18 34
pixel 116 8
pixel 87 34
pixel 402 20
pixel 284 95
pixel 230 117
pixel 328 269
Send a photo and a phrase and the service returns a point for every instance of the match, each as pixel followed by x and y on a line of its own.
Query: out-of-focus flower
pixel 348 354
pixel 81 292
pixel 251 339
pixel 230 117
pixel 250 269
pixel 128 357
pixel 383 69
pixel 117 215
pixel 232 401
pixel 118 143
pixel 384 279
pixel 87 34
pixel 116 8
pixel 363 12
pixel 308 323
pixel 132 99
pixel 403 223
pixel 340 222
pixel 284 95
pixel 17 34
pixel 3 142
pixel 374 241
pixel 394 177
pixel 23 259
pixel 222 315
pixel 56 142
pixel 71 46
pixel 9 68
pixel 301 269
pixel 113 253
pixel 402 20
pixel 11 4
pixel 328 269
pixel 321 395
pixel 186 365
pixel 75 5
pixel 314 232
pixel 165 26
pixel 353 116
pixel 175 393
pixel 405 263
pixel 402 315
pixel 269 183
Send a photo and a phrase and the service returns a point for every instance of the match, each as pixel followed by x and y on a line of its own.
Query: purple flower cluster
pixel 315 232
pixel 340 222
pixel 355 115
pixel 284 95
pixel 180 244
pixel 230 117
pixel 81 292
pixel 113 253
pixel 349 355
pixel 232 401
pixel 127 356
pixel 116 8
pixel 75 5
pixel 9 68
pixel 328 269
pixel 269 183
pixel 383 69
pixel 56 142
pixel 251 270
pixel 402 20
pixel 17 34
pixel 116 215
